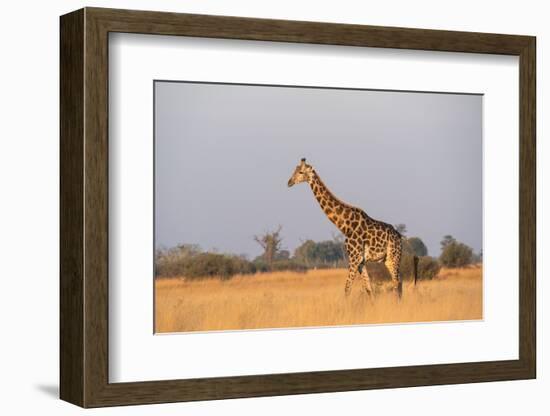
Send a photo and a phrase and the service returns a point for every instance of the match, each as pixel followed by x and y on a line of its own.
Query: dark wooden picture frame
pixel 84 207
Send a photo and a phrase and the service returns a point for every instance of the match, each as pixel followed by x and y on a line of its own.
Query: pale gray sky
pixel 224 154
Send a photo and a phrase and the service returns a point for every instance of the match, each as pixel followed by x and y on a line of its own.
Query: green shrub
pixel 173 261
pixel 213 264
pixel 190 262
pixel 279 265
pixel 290 265
pixel 428 267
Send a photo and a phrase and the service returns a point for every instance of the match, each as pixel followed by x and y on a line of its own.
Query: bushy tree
pixel 455 254
pixel 447 239
pixel 418 247
pixel 414 246
pixel 305 253
pixel 327 253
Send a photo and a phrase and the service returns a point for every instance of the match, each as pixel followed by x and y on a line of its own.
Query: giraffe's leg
pixel 354 263
pixel 393 268
pixel 367 287
pixel 393 263
pixel 355 258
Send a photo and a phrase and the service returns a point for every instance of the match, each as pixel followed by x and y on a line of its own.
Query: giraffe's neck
pixel 336 210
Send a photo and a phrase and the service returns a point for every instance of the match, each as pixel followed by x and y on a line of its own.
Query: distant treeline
pixel 189 261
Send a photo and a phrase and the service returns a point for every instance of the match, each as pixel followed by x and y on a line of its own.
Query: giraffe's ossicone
pixel 367 239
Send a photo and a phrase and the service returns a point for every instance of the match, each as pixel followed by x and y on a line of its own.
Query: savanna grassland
pixel 314 298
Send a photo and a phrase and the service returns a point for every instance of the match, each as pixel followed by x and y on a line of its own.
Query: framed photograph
pixel 254 207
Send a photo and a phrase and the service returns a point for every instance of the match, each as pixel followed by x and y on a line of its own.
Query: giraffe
pixel 367 240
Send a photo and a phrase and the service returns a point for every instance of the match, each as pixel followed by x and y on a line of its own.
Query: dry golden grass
pixel 315 298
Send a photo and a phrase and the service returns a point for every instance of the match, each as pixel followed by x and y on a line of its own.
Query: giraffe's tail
pixel 415 260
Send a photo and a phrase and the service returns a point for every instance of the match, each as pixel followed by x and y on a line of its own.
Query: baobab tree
pixel 270 241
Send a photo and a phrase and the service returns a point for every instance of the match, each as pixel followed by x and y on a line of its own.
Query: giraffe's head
pixel 302 173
